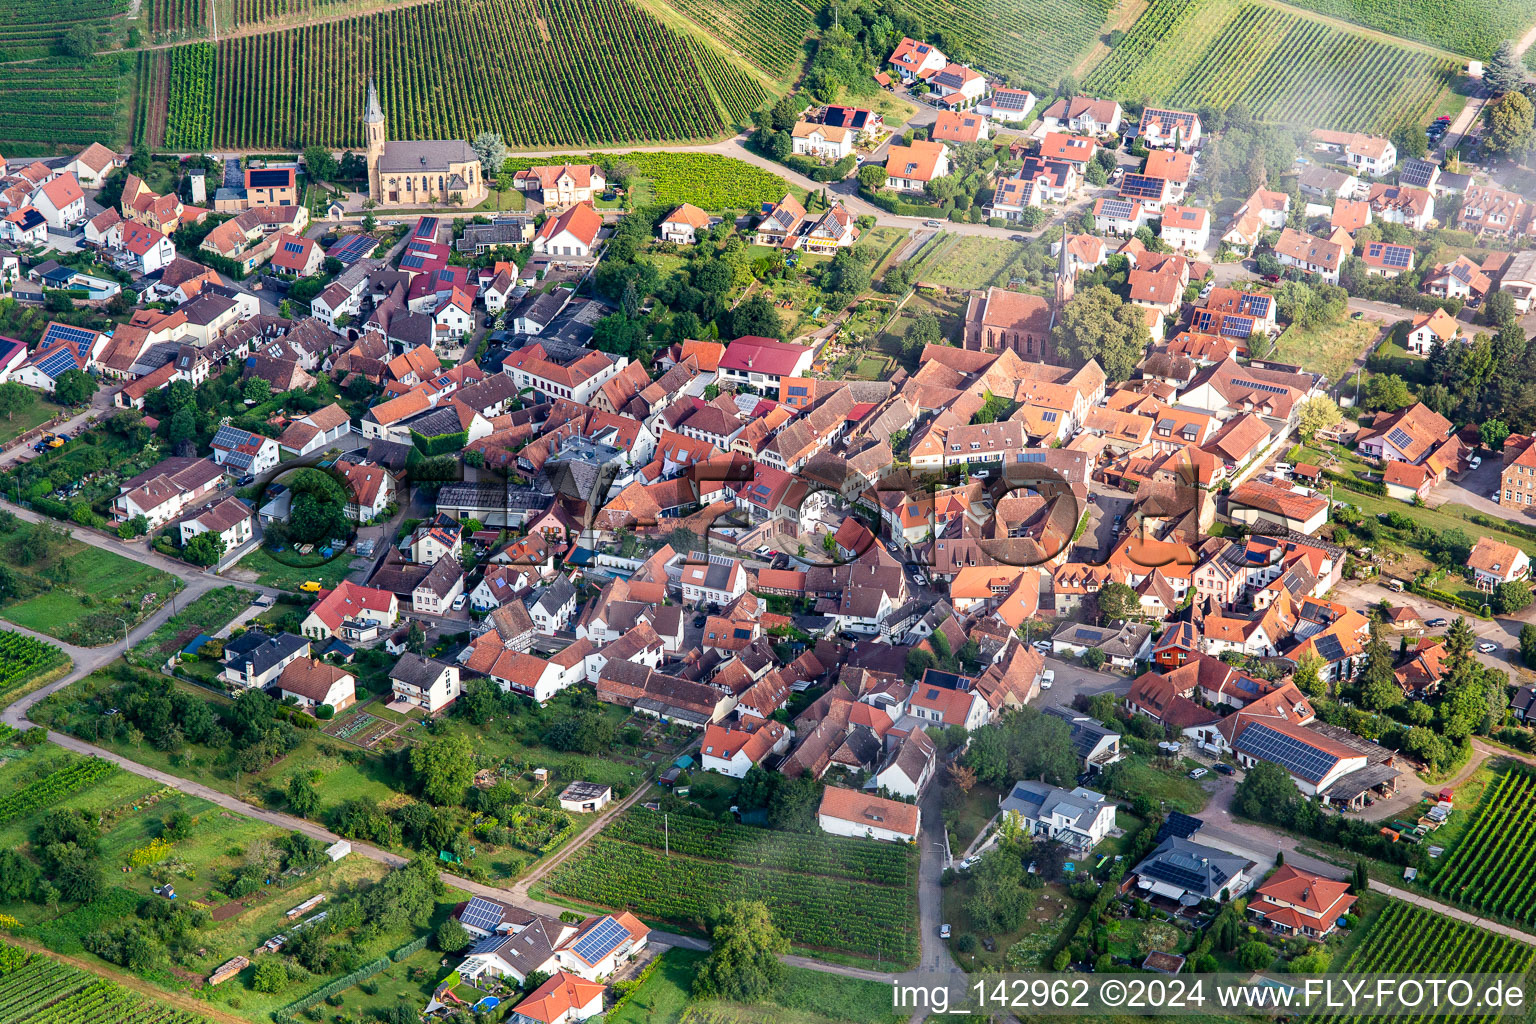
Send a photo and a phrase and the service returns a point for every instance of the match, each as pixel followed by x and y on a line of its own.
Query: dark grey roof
pixel 1086 733
pixel 1203 870
pixel 431 155
pixel 554 596
pixel 392 455
pixel 417 670
pixel 206 308
pixel 411 329
pixel 257 652
pixel 543 307
pixel 505 231
pixel 436 423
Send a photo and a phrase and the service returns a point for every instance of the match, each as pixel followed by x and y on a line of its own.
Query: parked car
pixel 943 931
pixel 310 586
pixel 1043 646
pixel 1047 678
pixel 1487 648
pixel 1224 769
pixel 1494 497
pixel 1197 773
pixel 458 602
pixel 1435 623
pixel 1475 461
pixel 1272 278
pixel 1017 238
pixel 932 224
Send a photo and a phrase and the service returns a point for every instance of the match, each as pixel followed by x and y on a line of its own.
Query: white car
pixel 1043 646
pixel 933 224
pixel 1283 467
pixel 1047 678
pixel 458 602
pixel 1494 497
pixel 1477 460
pixel 1487 648
pixel 943 931
pixel 1197 773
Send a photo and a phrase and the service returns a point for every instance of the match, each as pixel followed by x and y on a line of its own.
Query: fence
pixel 363 973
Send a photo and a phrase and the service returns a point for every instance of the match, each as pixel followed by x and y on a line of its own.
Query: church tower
pixel 1066 276
pixel 373 131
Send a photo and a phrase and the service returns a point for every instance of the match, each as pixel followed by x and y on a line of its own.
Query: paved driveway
pixel 1473 490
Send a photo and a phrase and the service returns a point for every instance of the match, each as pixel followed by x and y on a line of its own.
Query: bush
pixel 325 712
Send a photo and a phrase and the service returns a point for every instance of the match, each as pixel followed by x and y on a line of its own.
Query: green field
pixel 43 990
pixel 973 261
pixel 768 33
pixel 271 572
pixel 34 415
pixel 79 594
pixel 36 28
pixel 1283 66
pixel 806 881
pixel 805 997
pixel 1038 42
pixel 707 180
pixel 1330 349
pixel 306 85
pixel 1472 27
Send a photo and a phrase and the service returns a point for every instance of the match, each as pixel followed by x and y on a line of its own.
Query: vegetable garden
pixel 1472 27
pixel 1039 42
pixel 768 33
pixel 1283 66
pixel 62 102
pixel 35 989
pixel 1491 868
pixel 808 881
pixel 33 28
pixel 1407 939
pixel 540 72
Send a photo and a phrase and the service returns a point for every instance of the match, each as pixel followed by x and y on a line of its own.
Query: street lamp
pixel 125 634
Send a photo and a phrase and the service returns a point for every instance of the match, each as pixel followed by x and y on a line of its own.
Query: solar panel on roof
pixel 1399 437
pixel 1417 173
pixel 64 332
pixel 1294 756
pixel 269 178
pixel 412 261
pixel 426 228
pixel 1329 647
pixel 294 247
pixel 487 945
pixel 58 363
pixel 1142 186
pixel 1395 256
pixel 482 914
pixel 1273 389
pixel 1120 208
pixel 603 939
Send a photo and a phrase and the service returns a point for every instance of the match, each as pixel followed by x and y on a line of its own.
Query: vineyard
pixel 189 111
pixel 22 656
pixel 1284 67
pixel 540 72
pixel 1491 868
pixel 176 17
pixel 77 775
pixel 1472 27
pixel 1407 940
pixel 250 12
pixel 34 28
pixel 807 881
pixel 65 102
pixel 768 33
pixel 38 990
pixel 1038 41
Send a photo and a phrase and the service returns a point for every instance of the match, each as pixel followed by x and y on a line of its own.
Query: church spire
pixel 1066 275
pixel 373 114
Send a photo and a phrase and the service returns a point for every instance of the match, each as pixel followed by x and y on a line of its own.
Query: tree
pixel 1098 324
pixel 1387 391
pixel 998 901
pixel 491 151
pixel 1318 413
pixel 1528 645
pixel 256 390
pixel 1411 140
pixel 271 974
pixel 444 766
pixel 80 41
pixel 451 936
pixel 177 826
pixel 1379 689
pixel 1266 787
pixel 961 776
pixel 925 330
pixel 1308 677
pixel 743 965
pixel 1093 658
pixel 301 796
pixel 205 549
pixel 16 397
pixel 1499 311
pixel 321 163
pixel 1503 73
pixel 1493 433
pixel 1255 955
pixel 1510 129
pixel 873 177
pixel 784 114
pixel 1096 175
pixel 74 387
pixel 1118 601
pixel 757 317
pixel 1511 597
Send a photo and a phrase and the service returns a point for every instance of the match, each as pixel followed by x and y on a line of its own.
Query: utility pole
pixel 666 833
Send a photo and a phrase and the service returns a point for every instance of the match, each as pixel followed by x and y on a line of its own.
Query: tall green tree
pixel 1504 73
pixel 444 766
pixel 743 963
pixel 1098 324
pixel 1510 125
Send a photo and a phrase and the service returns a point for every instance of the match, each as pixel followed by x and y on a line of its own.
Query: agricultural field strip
pixel 61 101
pixel 1408 938
pixel 1040 41
pixel 768 33
pixel 77 775
pixel 274 89
pixel 45 991
pixel 1271 58
pixel 1472 28
pixel 1496 859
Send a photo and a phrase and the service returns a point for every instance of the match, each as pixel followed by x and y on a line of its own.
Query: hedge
pixel 890 204
pixel 1445 597
pixel 1351 483
pixel 363 973
pixel 441 444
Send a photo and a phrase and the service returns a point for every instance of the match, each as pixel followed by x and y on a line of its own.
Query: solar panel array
pixel 1392 255
pixel 487 945
pixel 1181 870
pixel 1234 326
pixel 482 914
pixel 603 939
pixel 81 338
pixel 1273 389
pixel 1180 825
pixel 1329 647
pixel 230 437
pixel 1290 753
pixel 352 249
pixel 57 363
pixel 1030 457
pixel 412 261
pixel 426 228
pixel 293 247
pixel 1118 208
pixel 1141 186
pixel 270 179
pixel 1400 437
pixel 1417 173
pixel 1009 99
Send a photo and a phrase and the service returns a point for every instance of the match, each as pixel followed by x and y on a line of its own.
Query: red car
pixel 1272 278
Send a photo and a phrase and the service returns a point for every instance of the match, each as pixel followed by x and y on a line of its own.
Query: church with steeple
pixel 998 319
pixel 426 173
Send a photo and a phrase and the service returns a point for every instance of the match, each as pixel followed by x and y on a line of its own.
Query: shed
pixel 585 797
pixel 339 849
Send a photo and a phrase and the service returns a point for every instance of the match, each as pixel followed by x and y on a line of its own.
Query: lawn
pixel 1391 357
pixel 1028 948
pixel 1135 777
pixel 83 595
pixel 208 614
pixel 966 821
pixel 973 261
pixel 272 572
pixel 804 997
pixel 34 415
pixel 1330 349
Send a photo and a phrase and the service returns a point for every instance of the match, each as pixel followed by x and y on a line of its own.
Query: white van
pixel 1396 586
pixel 1284 467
